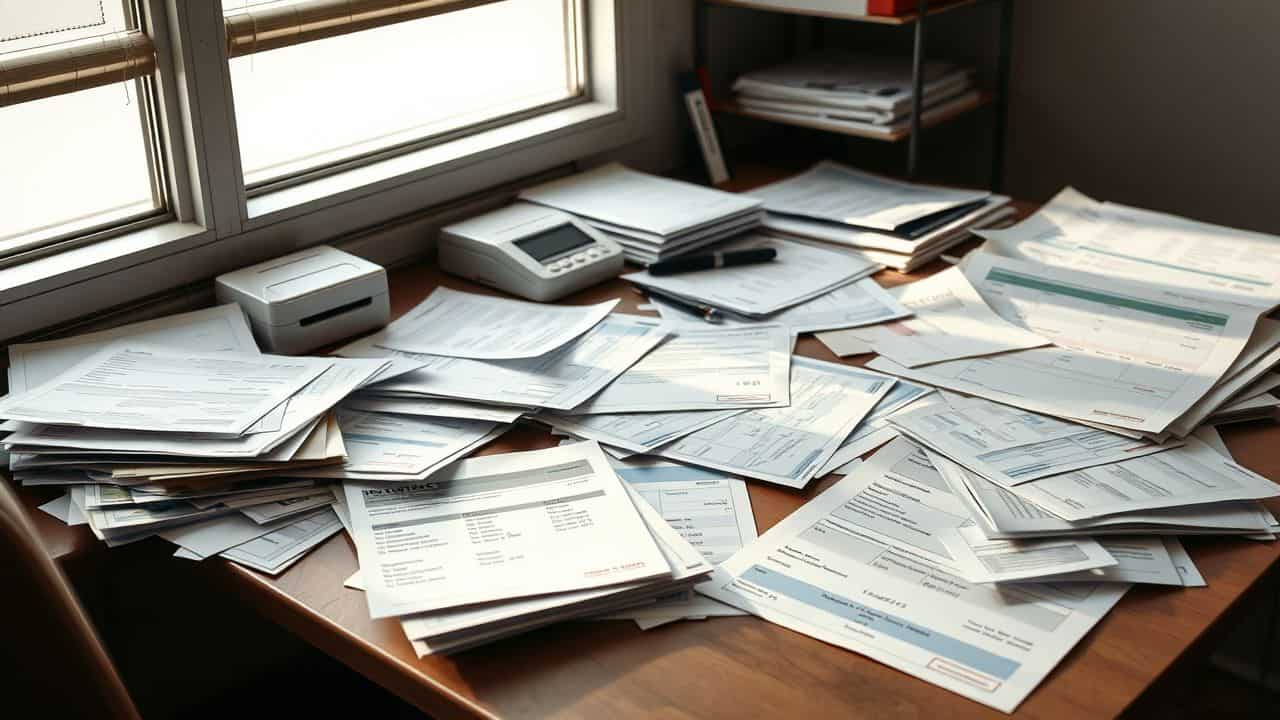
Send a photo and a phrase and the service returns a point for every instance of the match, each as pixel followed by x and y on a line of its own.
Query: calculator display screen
pixel 555 241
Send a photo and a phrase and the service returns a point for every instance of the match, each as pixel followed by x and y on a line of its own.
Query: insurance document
pixel 1193 474
pixel 1010 446
pixel 817 573
pixel 216 329
pixel 435 407
pixel 562 379
pixel 164 390
pixel 1139 559
pixel 1124 355
pixel 951 321
pixel 875 430
pixel 460 324
pixel 1003 514
pixel 800 272
pixel 788 445
pixel 710 510
pixel 276 551
pixel 704 369
pixel 836 193
pixel 636 432
pixel 1075 231
pixel 381 446
pixel 500 527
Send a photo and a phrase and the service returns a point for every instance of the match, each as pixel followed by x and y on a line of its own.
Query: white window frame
pixel 216 227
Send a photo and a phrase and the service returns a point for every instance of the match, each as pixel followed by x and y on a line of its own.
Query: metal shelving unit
pixel 919 21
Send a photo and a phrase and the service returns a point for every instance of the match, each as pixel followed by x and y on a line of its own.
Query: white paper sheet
pixel 216 329
pixel 1124 356
pixel 951 322
pixel 1010 446
pixel 500 527
pixel 788 445
pixel 435 407
pixel 159 390
pixel 1142 246
pixel 63 509
pixel 618 196
pixel 1140 559
pixel 636 432
pixel 1193 474
pixel 389 447
pixel 874 430
pixel 1004 514
pixel 710 510
pixel 705 369
pixel 836 193
pixel 276 551
pixel 814 573
pixel 561 379
pixel 211 537
pixel 459 324
pixel 799 273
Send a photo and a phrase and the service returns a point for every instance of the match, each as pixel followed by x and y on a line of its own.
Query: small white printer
pixel 308 299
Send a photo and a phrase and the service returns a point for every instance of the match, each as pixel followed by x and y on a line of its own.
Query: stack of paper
pixel 179 427
pixel 898 224
pixel 653 218
pixel 806 288
pixel 839 90
pixel 505 543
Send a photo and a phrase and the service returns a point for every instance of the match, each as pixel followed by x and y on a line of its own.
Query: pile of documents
pixel 840 90
pixel 898 224
pixel 178 427
pixel 503 544
pixel 653 218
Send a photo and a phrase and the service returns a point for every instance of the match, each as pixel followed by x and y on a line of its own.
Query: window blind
pixel 282 24
pixel 79 65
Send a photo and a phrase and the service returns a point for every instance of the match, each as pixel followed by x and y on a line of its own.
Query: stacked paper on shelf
pixel 898 224
pixel 841 90
pixel 653 218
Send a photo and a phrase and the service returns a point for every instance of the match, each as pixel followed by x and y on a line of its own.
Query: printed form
pixel 1141 246
pixel 497 527
pixel 636 432
pixel 704 369
pixel 951 322
pixel 788 445
pixel 139 388
pixel 459 324
pixel 1124 356
pixel 710 510
pixel 817 573
pixel 562 379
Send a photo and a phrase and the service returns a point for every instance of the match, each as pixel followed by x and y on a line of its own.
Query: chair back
pixel 53 662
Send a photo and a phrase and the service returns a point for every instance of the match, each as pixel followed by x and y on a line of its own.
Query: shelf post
pixel 1002 98
pixel 917 86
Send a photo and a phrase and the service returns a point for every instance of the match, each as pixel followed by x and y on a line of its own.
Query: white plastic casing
pixel 309 299
pixel 484 249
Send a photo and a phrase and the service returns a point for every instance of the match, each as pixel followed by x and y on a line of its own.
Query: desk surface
pixel 723 667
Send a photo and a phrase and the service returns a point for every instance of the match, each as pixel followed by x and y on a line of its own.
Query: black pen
pixel 709 261
pixel 705 312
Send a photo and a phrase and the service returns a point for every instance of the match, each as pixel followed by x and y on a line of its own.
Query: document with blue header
pixel 815 573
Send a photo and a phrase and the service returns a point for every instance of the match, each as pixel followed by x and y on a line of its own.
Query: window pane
pixel 76 161
pixel 321 102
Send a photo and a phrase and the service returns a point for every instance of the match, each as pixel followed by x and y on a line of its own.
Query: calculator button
pixel 580 258
pixel 594 253
pixel 555 267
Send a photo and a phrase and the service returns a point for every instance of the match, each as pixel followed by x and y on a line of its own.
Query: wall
pixel 1167 105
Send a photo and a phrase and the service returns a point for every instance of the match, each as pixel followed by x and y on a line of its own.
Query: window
pixel 327 101
pixel 75 161
pixel 150 144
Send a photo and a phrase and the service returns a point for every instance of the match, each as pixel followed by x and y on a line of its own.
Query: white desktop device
pixel 308 299
pixel 529 250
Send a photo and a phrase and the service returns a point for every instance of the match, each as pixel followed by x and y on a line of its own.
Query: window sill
pixel 285 203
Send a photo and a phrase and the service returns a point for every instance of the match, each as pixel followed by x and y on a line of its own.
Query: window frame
pixel 216 225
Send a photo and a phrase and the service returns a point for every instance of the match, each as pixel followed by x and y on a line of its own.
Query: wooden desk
pixel 725 667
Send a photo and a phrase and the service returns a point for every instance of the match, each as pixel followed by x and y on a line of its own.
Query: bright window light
pixel 325 102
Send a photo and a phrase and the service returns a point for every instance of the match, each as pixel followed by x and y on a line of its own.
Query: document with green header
pixel 1125 355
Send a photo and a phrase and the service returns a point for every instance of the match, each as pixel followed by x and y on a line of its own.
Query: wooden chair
pixel 52 662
